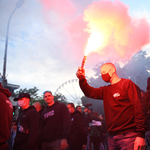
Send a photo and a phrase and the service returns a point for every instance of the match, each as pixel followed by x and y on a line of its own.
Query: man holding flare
pixel 123 109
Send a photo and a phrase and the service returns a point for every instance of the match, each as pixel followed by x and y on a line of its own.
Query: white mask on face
pixel 70 110
pixel 21 103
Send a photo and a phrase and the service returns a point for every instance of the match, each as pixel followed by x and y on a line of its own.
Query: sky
pixel 47 39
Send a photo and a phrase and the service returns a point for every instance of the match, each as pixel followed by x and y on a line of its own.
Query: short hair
pixel 46 92
pixel 101 115
pixel 96 114
pixel 37 105
pixel 77 107
pixel 109 63
pixel 71 104
pixel 15 121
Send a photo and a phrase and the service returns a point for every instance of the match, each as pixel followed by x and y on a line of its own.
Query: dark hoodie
pixel 54 123
pixel 148 84
pixel 6 114
pixel 77 135
pixel 146 96
pixel 146 101
pixel 28 123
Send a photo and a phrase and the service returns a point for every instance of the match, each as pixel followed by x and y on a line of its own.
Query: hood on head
pixel 5 91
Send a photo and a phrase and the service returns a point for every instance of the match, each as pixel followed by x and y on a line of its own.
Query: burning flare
pixel 114 34
pixel 94 42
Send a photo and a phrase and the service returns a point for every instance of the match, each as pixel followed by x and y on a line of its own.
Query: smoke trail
pixel 123 35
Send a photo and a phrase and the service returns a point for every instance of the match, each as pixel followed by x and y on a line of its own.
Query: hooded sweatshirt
pixel 146 97
pixel 27 131
pixel 6 114
pixel 55 123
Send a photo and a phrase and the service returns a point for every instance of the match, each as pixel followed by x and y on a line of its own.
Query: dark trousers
pixel 75 147
pixel 122 141
pixel 96 141
pixel 21 146
pixel 18 146
pixel 55 145
pixel 4 146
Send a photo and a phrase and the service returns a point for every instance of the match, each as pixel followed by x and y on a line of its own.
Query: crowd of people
pixel 60 126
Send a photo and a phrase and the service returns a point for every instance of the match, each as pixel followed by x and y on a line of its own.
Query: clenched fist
pixel 80 73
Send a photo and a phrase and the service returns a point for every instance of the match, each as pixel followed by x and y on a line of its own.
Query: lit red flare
pixel 94 42
pixel 83 61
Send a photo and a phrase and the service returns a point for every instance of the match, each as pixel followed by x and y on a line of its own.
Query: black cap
pixel 22 95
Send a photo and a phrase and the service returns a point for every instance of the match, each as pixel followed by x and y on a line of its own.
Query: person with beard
pixel 124 114
pixel 6 115
pixel 28 123
pixel 77 139
pixel 79 109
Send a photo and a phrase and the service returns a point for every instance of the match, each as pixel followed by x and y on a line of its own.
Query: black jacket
pixel 146 102
pixel 96 127
pixel 28 123
pixel 77 135
pixel 6 114
pixel 86 120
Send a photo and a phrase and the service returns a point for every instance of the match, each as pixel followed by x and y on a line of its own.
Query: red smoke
pixel 123 35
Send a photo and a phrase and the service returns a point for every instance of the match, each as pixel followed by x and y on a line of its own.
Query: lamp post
pixel 18 5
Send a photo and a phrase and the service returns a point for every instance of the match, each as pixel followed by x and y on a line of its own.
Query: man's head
pixel 14 125
pixel 142 93
pixel 23 100
pixel 108 72
pixel 95 114
pixel 37 105
pixel 86 109
pixel 48 98
pixel 79 109
pixel 71 107
pixel 101 117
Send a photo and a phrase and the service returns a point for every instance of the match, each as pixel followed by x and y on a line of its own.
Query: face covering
pixel 21 103
pixel 106 77
pixel 70 110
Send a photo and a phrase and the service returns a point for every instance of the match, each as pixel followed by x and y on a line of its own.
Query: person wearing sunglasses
pixel 13 134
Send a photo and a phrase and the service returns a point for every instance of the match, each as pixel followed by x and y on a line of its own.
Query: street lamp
pixel 18 5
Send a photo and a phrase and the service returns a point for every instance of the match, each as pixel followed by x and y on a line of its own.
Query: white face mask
pixel 21 103
pixel 70 110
